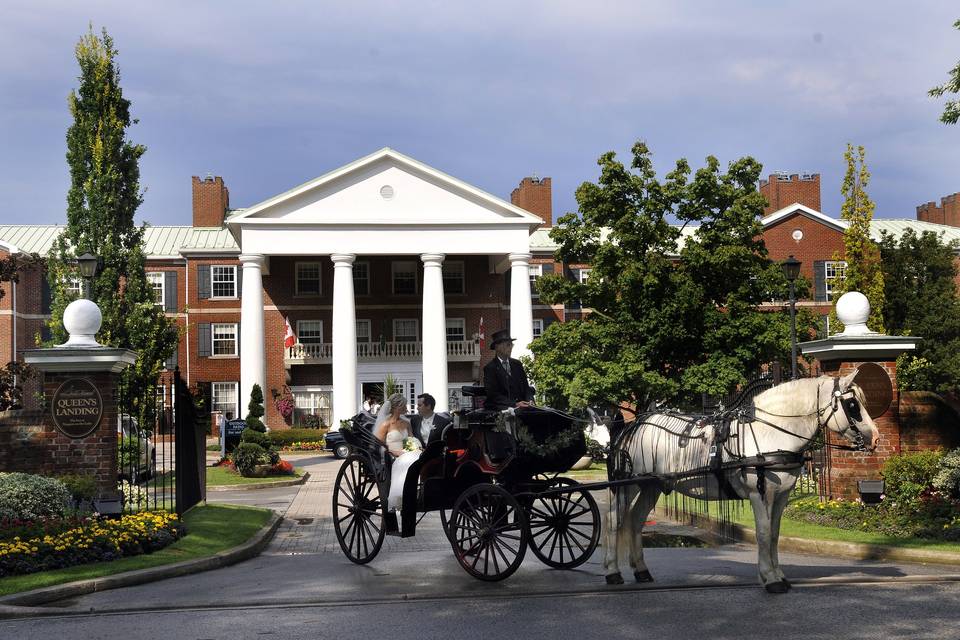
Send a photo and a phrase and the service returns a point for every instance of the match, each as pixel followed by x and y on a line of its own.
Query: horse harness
pixel 723 421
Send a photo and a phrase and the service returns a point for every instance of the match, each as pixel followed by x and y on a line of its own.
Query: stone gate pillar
pixel 76 430
pixel 874 357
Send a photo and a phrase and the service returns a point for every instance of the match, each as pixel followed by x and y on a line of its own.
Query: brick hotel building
pixel 385 266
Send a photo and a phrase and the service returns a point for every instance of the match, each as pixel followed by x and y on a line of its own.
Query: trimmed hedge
pixel 283 437
pixel 24 496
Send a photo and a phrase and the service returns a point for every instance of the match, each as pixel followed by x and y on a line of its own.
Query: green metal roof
pixel 209 239
pixel 897 228
pixel 158 242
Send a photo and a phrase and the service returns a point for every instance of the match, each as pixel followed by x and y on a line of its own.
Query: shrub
pixel 596 450
pixel 247 456
pixel 947 478
pixel 134 496
pixel 907 475
pixel 282 468
pixel 82 488
pixel 311 421
pixel 283 437
pixel 255 437
pixel 28 497
pixel 129 453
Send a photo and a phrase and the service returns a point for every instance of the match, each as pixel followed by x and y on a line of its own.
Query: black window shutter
pixel 170 291
pixel 45 297
pixel 239 279
pixel 549 320
pixel 547 268
pixel 574 276
pixel 204 339
pixel 203 281
pixel 506 287
pixel 819 281
pixel 171 362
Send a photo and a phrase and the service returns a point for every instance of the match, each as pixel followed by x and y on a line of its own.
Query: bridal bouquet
pixel 411 444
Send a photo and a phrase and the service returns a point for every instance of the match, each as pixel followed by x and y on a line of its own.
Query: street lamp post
pixel 791 271
pixel 88 264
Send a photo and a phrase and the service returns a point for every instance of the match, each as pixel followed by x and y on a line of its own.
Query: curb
pixel 21 604
pixel 259 485
pixel 855 550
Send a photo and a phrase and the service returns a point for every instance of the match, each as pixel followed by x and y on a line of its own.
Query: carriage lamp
pixel 871 491
pixel 791 271
pixel 88 264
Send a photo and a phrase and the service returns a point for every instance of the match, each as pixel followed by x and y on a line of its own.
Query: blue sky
pixel 271 94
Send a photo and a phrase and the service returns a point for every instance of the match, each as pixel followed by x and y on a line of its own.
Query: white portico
pixel 385 204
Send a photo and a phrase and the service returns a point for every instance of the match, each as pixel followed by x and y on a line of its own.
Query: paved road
pixel 303 587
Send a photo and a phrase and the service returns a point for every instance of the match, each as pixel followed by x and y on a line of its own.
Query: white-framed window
pixel 310 331
pixel 312 401
pixel 156 279
pixel 361 278
pixel 537 327
pixel 308 279
pixel 363 331
pixel 223 281
pixel 453 278
pixel 584 274
pixel 223 398
pixel 536 270
pixel 405 330
pixel 73 286
pixel 404 275
pixel 224 339
pixel 456 330
pixel 834 272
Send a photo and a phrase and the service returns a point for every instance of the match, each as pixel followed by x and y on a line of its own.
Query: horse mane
pixel 793 398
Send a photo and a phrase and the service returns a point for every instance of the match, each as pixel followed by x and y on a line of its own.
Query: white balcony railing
pixel 322 353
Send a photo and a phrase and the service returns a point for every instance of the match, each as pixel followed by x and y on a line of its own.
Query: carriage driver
pixel 504 378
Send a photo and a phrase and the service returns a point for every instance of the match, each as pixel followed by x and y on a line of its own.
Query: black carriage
pixel 494 477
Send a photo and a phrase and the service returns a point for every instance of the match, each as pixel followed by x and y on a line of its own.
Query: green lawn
pixel 221 476
pixel 211 528
pixel 797 529
pixel 596 473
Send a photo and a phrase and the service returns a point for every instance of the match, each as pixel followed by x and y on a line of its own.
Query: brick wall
pixel 534 195
pixel 782 191
pixel 30 443
pixel 947 212
pixel 211 199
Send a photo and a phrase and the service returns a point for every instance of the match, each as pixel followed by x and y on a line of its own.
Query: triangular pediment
pixel 797 209
pixel 386 188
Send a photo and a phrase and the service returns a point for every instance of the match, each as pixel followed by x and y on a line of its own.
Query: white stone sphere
pixel 853 309
pixel 82 318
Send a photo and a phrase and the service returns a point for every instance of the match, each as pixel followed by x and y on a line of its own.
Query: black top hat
pixel 501 336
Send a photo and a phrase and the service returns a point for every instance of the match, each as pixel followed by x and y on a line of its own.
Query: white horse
pixel 781 423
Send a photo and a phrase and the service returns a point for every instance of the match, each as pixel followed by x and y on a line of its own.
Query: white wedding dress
pixel 398 472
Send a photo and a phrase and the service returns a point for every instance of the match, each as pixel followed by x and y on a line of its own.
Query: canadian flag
pixel 481 336
pixel 289 339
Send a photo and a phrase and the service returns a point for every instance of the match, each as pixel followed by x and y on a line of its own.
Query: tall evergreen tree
pixel 103 198
pixel 951 110
pixel 864 272
pixel 672 315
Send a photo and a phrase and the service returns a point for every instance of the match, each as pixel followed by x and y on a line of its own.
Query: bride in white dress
pixel 393 429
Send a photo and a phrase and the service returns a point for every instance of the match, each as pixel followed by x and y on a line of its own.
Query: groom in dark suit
pixel 504 378
pixel 427 425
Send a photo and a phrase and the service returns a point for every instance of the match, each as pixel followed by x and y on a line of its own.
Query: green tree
pixel 921 300
pixel 951 110
pixel 103 198
pixel 864 273
pixel 673 314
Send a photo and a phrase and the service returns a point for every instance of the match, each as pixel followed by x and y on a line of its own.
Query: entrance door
pixel 408 387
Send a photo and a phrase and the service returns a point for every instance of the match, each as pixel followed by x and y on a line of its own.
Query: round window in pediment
pixel 386 192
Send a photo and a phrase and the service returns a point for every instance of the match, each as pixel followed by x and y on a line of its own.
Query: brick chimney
pixel 211 199
pixel 948 212
pixel 783 189
pixel 534 195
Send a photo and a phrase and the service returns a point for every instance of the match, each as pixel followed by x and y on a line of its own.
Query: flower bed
pixel 89 540
pixel 303 446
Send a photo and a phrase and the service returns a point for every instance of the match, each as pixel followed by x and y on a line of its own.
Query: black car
pixel 333 441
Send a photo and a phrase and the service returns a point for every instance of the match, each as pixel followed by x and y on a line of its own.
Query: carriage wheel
pixel 358 510
pixel 445 522
pixel 564 528
pixel 488 532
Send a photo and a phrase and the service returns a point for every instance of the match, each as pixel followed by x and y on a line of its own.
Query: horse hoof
pixel 614 578
pixel 781 586
pixel 642 576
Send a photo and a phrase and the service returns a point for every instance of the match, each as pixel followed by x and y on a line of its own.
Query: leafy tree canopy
pixel 673 313
pixel 951 110
pixel 103 198
pixel 921 299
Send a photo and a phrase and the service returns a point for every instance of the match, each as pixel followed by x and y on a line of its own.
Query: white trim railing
pixel 397 351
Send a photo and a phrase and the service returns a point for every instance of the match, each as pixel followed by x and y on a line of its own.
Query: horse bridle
pixel 851 411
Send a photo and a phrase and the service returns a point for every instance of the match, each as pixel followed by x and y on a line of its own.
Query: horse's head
pixel 847 414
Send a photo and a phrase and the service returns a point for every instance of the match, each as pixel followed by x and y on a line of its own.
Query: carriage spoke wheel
pixel 564 528
pixel 488 532
pixel 358 510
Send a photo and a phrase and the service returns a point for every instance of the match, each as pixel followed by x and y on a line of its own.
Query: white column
pixel 434 330
pixel 253 360
pixel 521 306
pixel 344 348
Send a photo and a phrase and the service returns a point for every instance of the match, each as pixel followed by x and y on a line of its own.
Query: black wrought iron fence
pixel 159 447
